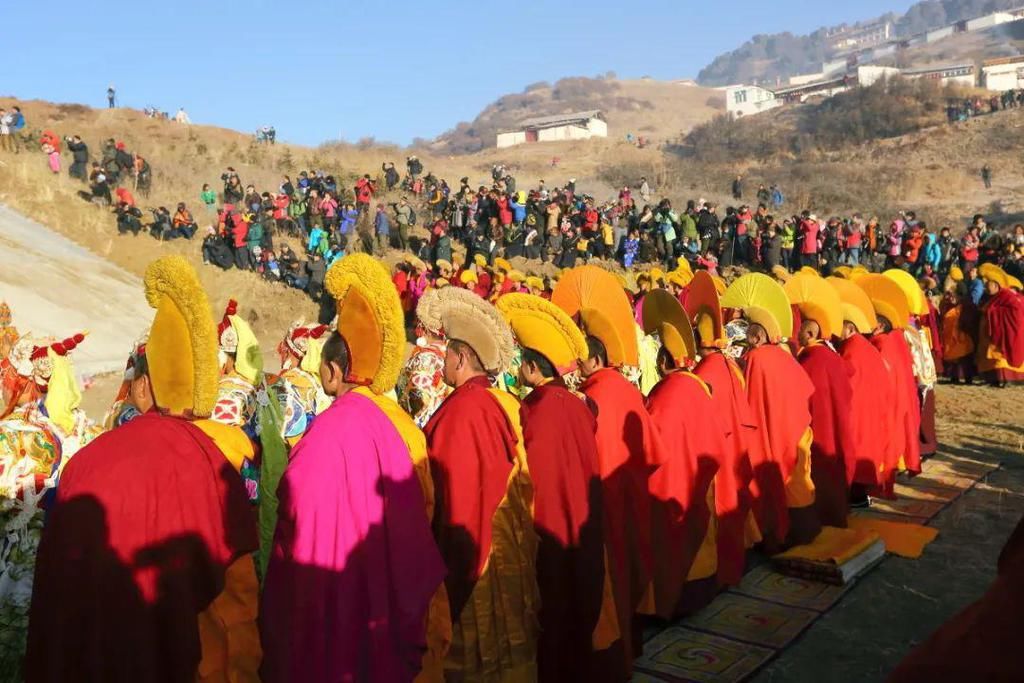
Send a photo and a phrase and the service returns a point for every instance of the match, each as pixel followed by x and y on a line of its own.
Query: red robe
pixel 147 519
pixel 628 452
pixel 471 447
pixel 780 395
pixel 905 409
pixel 1005 316
pixel 872 421
pixel 982 642
pixel 683 413
pixel 833 427
pixel 561 449
pixel 732 495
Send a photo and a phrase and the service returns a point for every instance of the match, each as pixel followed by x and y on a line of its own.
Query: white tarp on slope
pixel 57 288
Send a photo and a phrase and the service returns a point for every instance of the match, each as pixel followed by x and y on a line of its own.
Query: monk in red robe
pixel 483 497
pixel 831 423
pixel 872 388
pixel 150 523
pixel 686 561
pixel 628 452
pixel 1001 360
pixel 982 642
pixel 780 394
pixel 561 448
pixel 732 497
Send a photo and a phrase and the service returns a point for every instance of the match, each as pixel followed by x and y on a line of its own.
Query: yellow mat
pixel 832 545
pixel 901 538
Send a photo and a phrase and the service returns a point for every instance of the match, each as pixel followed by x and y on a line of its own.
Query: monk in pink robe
pixel 354 564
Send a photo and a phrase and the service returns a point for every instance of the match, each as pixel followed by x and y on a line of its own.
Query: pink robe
pixel 354 564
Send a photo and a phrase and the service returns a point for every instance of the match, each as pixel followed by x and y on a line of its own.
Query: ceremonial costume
pixel 145 569
pixel 561 449
pixel 421 387
pixel 354 566
pixel 298 388
pixel 37 440
pixel 483 521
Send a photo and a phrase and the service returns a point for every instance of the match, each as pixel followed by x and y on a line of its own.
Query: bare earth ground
pixel 902 602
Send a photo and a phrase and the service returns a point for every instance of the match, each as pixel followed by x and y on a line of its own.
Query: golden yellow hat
pixel 720 285
pixel 535 283
pixel 541 326
pixel 370 319
pixel 911 289
pixel 956 274
pixel 467 318
pixel 596 323
pixel 443 264
pixel 990 272
pixel 1014 282
pixel 480 260
pixel 468 277
pixel 657 275
pixel 590 287
pixel 816 301
pixel 704 309
pixel 781 273
pixel 458 259
pixel 683 264
pixel 182 347
pixel 441 282
pixel 855 303
pixel 842 272
pixel 416 262
pixel 887 298
pixel 662 313
pixel 516 276
pixel 501 264
pixel 763 301
pixel 679 278
pixel 857 271
pixel 808 270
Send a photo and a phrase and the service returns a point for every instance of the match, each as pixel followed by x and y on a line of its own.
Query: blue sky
pixel 393 70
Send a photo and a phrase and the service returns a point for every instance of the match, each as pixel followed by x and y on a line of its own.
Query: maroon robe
pixel 872 426
pixel 147 519
pixel 833 428
pixel 905 410
pixel 561 450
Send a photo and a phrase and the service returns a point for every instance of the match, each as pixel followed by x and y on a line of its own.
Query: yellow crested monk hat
pixel 370 320
pixel 842 272
pixel 990 272
pixel 237 338
pixel 541 326
pixel 705 310
pixel 181 351
pixel 535 284
pixel 662 313
pixel 911 289
pixel 855 304
pixel 816 301
pixel 887 298
pixel 467 318
pixel 781 274
pixel 594 297
pixel 763 301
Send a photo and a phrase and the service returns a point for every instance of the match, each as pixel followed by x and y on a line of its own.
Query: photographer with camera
pixel 79 157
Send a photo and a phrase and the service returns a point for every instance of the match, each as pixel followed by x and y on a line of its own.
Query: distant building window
pixel 740 96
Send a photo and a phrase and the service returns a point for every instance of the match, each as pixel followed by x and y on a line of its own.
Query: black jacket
pixel 80 152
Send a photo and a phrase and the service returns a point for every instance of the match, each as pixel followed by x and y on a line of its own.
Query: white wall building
pixel 990 20
pixel 747 100
pixel 577 126
pixel 868 75
pixel 961 74
pixel 1002 74
pixel 804 79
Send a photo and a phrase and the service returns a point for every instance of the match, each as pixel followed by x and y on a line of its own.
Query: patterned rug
pixel 747 626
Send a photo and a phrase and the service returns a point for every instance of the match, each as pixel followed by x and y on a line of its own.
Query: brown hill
pixel 658 110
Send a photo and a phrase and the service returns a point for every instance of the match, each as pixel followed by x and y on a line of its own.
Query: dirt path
pixel 902 602
pixel 55 287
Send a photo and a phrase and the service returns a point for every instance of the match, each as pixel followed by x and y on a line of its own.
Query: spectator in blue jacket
pixel 347 219
pixel 932 251
pixel 382 230
pixel 518 206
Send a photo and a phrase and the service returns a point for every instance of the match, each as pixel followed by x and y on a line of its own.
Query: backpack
pixel 412 215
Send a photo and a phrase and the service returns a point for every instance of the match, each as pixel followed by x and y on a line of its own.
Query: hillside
pixel 658 110
pixel 767 57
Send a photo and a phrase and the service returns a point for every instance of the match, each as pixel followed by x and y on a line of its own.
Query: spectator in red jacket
pixel 124 196
pixel 239 230
pixel 365 190
pixel 809 229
